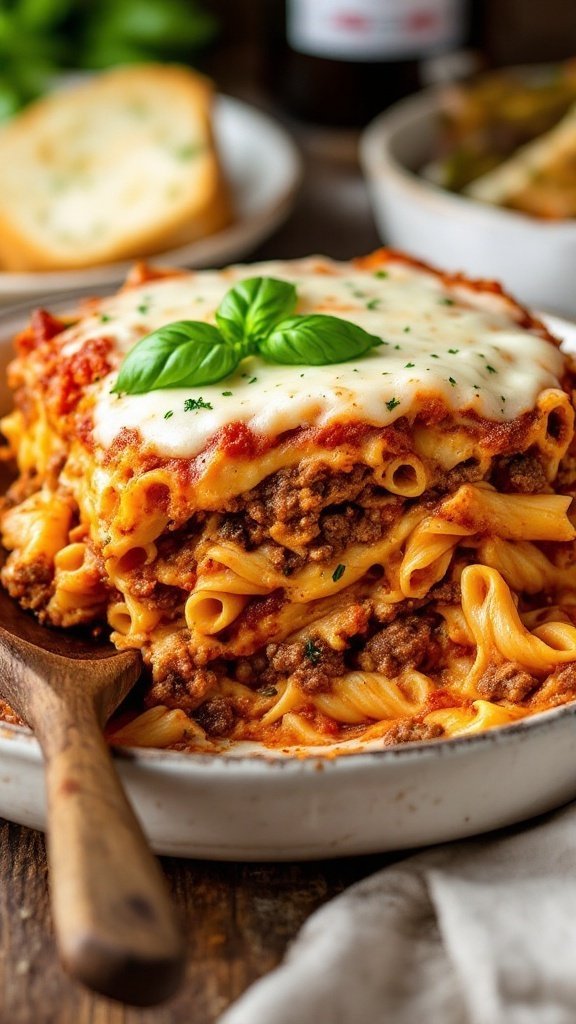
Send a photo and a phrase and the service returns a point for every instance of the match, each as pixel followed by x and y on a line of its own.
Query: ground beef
pixel 320 536
pixel 443 593
pixel 250 671
pixel 237 528
pixel 293 493
pixel 313 659
pixel 406 642
pixel 566 472
pixel 30 584
pixel 310 513
pixel 182 685
pixel 292 500
pixel 312 664
pixel 522 474
pixel 463 473
pixel 413 641
pixel 446 593
pixel 176 553
pixel 564 678
pixel 559 688
pixel 216 716
pixel 506 682
pixel 288 562
pixel 341 525
pixel 337 524
pixel 409 731
pixel 157 595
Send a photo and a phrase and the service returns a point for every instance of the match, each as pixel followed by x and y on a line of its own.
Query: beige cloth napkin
pixel 479 932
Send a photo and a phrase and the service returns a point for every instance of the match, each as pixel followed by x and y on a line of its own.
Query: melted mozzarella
pixel 457 345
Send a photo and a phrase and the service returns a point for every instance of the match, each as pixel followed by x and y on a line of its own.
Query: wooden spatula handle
pixel 113 919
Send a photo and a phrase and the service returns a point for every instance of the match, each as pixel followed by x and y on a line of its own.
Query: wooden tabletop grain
pixel 238 918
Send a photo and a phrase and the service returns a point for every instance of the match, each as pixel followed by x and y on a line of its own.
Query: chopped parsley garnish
pixel 226 394
pixel 407 329
pixel 453 351
pixel 168 414
pixel 397 346
pixel 338 572
pixel 253 380
pixel 193 404
pixel 312 652
pixel 491 369
pixel 392 404
pixel 381 273
pixel 434 356
pixel 144 307
pixel 452 381
pixel 447 302
pixel 105 318
pixel 503 399
pixel 373 304
pixel 408 366
pixel 476 387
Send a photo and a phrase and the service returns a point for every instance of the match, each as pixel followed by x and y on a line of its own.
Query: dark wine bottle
pixel 339 62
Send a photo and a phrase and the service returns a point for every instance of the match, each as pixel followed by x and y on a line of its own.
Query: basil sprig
pixel 253 317
pixel 316 340
pixel 253 307
pixel 178 355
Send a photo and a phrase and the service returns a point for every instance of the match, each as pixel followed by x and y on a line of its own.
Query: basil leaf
pixel 316 340
pixel 181 354
pixel 250 310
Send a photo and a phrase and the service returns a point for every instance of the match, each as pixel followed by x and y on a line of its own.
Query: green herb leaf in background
pixel 181 354
pixel 316 340
pixel 10 99
pixel 42 39
pixel 250 309
pixel 132 30
pixel 43 15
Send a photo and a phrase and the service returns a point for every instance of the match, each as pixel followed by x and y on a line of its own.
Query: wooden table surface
pixel 238 917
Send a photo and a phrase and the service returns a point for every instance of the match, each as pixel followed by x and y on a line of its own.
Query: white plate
pixel 264 169
pixel 242 806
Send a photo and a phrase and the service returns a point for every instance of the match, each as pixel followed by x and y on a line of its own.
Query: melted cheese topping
pixel 455 344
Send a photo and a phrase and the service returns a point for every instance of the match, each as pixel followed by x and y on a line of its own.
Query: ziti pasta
pixel 328 502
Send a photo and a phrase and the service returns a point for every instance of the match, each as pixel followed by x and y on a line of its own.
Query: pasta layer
pixel 381 550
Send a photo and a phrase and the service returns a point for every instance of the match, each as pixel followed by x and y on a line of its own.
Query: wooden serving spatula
pixel 114 923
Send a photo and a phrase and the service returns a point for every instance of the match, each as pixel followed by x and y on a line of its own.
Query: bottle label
pixel 371 30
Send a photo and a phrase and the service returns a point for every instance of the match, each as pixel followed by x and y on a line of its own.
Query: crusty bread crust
pixel 124 165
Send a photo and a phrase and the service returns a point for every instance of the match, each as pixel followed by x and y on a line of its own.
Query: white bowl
pixel 249 804
pixel 534 259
